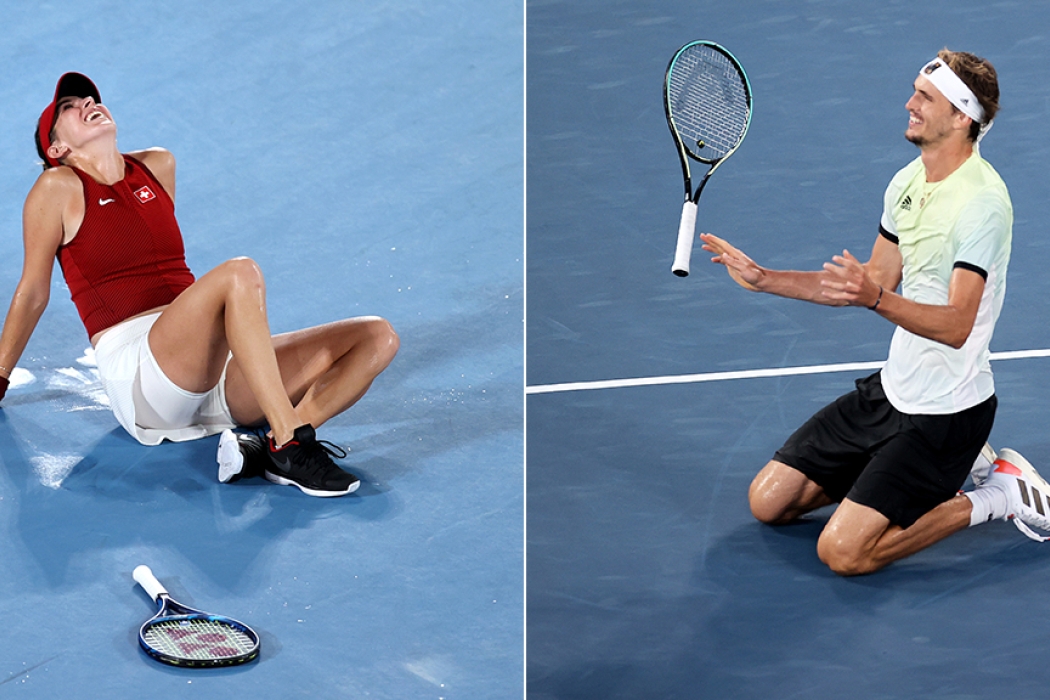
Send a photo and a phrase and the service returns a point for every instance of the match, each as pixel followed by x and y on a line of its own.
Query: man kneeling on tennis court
pixel 895 452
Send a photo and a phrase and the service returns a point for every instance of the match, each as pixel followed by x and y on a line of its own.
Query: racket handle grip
pixel 145 578
pixel 686 230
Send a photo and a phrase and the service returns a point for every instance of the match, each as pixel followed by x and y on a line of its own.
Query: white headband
pixel 952 87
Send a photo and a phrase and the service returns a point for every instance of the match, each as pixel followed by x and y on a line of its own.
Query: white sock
pixel 989 503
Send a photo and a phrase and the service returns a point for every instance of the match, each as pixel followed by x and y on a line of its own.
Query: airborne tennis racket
pixel 707 98
pixel 181 636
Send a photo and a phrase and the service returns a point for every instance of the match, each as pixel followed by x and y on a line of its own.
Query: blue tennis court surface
pixel 369 157
pixel 647 576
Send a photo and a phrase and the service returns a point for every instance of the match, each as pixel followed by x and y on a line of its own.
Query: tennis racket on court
pixel 181 636
pixel 707 99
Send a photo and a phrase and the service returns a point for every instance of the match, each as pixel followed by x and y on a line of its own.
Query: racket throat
pixel 700 187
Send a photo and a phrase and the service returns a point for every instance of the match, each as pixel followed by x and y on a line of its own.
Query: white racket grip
pixel 686 230
pixel 145 578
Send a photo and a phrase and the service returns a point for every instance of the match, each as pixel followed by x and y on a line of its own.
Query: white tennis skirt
pixel 148 404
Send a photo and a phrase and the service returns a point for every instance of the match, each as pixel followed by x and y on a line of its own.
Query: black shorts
pixel 860 447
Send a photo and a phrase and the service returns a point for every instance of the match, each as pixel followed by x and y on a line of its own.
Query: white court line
pixel 745 374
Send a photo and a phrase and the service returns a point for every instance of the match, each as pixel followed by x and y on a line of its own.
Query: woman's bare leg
pixel 324 369
pixel 289 380
pixel 224 311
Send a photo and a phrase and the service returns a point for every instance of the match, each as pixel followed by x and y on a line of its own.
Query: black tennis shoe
pixel 306 462
pixel 241 455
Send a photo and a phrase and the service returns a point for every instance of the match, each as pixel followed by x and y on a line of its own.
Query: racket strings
pixel 708 99
pixel 198 639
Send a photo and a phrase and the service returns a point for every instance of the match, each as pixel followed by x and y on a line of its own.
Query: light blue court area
pixel 647 575
pixel 369 156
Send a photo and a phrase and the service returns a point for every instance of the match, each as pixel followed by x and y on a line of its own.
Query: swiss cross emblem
pixel 145 194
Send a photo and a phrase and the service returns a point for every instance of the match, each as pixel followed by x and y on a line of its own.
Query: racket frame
pixel 687 224
pixel 171 610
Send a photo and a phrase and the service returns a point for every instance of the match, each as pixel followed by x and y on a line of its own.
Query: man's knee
pixel 779 494
pixel 764 507
pixel 843 558
pixel 855 540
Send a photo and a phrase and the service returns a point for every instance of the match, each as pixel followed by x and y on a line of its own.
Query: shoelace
pixel 1032 534
pixel 1041 521
pixel 319 454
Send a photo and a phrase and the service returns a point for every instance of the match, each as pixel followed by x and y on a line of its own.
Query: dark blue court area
pixel 369 157
pixel 647 576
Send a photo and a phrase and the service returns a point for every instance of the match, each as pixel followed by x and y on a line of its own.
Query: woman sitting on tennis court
pixel 180 358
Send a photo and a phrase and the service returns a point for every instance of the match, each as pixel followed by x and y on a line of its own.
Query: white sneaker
pixel 982 466
pixel 241 455
pixel 1028 500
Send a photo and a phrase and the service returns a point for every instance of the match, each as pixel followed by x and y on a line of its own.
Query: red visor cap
pixel 69 85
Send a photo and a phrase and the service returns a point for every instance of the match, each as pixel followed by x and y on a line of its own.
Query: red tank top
pixel 127 256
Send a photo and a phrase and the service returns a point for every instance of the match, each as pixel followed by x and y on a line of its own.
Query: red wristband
pixel 4 383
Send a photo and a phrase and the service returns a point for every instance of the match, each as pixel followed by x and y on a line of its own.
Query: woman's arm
pixel 42 231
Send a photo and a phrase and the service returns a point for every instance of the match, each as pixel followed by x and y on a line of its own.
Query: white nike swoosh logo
pixel 104 202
